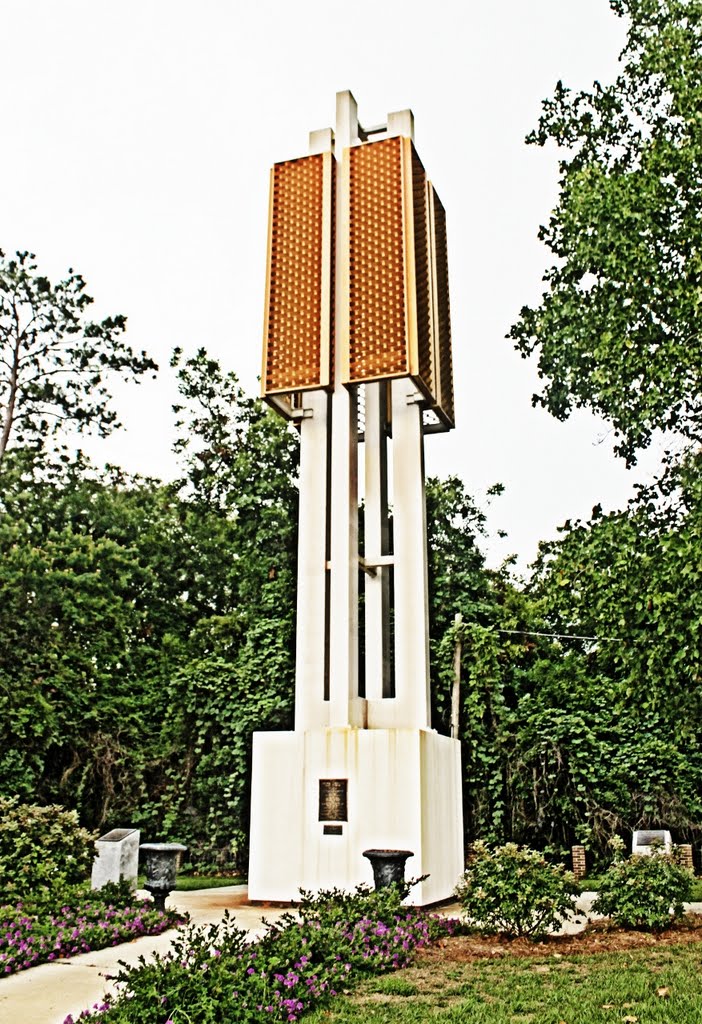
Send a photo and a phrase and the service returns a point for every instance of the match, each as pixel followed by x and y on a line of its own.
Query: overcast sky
pixel 137 140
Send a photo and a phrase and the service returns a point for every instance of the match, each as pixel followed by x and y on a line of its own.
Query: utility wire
pixel 562 636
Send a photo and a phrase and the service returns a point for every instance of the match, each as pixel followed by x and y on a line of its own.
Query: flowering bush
pixel 217 975
pixel 40 848
pixel 515 891
pixel 28 938
pixel 644 891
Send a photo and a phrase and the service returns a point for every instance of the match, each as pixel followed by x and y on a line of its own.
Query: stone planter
pixel 160 865
pixel 388 865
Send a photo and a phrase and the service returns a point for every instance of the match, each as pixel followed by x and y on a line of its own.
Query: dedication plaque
pixel 332 800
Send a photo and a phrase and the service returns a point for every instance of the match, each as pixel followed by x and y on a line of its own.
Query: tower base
pixel 320 798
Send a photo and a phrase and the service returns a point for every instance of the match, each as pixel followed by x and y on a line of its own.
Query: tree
pixel 494 659
pixel 55 365
pixel 568 739
pixel 458 582
pixel 240 469
pixel 618 329
pixel 234 674
pixel 84 602
pixel 633 581
pixel 146 629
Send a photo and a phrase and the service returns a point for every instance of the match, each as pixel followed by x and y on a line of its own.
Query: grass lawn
pixel 185 883
pixel 651 986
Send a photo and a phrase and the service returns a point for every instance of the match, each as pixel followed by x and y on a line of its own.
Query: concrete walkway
pixel 48 993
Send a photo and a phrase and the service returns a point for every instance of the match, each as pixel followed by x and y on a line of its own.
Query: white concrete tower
pixel 357 352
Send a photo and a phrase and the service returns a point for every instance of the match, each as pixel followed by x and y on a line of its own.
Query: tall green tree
pixel 495 657
pixel 458 583
pixel 56 366
pixel 618 328
pixel 235 672
pixel 632 581
pixel 85 598
pixel 605 727
pixel 146 629
pixel 580 693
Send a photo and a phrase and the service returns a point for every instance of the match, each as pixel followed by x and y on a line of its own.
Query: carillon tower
pixel 357 353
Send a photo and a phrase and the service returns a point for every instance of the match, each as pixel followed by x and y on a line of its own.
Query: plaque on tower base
pixel 403 792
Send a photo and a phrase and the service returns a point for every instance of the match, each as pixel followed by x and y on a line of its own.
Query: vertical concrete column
pixel 344 707
pixel 375 528
pixel 311 710
pixel 410 552
pixel 401 122
pixel 343 581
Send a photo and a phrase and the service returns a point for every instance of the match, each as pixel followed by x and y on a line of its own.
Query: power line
pixel 562 636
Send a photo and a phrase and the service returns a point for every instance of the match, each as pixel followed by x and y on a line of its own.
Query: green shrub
pixel 41 848
pixel 85 921
pixel 43 901
pixel 335 905
pixel 644 891
pixel 218 975
pixel 515 891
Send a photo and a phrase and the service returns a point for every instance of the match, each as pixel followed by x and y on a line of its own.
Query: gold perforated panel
pixel 422 278
pixel 441 320
pixel 389 266
pixel 395 316
pixel 297 328
pixel 378 343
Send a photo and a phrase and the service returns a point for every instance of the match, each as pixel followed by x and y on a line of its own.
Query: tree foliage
pixel 632 579
pixel 618 328
pixel 42 849
pixel 55 365
pixel 235 672
pixel 85 601
pixel 581 691
pixel 608 741
pixel 146 628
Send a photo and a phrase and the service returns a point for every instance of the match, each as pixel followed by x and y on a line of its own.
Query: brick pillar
pixel 686 856
pixel 579 864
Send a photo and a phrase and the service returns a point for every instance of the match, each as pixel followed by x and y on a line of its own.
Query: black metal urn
pixel 160 866
pixel 388 865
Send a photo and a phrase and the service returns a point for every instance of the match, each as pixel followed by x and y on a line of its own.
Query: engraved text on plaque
pixel 332 800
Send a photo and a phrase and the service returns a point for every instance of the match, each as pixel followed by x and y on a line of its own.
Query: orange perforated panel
pixel 297 330
pixel 422 277
pixel 378 342
pixel 389 266
pixel 441 320
pixel 395 316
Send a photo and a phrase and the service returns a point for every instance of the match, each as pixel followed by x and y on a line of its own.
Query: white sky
pixel 138 137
